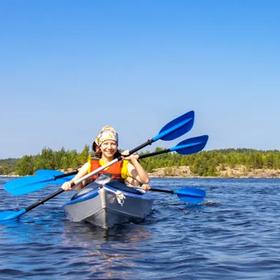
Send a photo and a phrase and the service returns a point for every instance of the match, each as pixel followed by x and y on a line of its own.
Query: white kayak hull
pixel 107 206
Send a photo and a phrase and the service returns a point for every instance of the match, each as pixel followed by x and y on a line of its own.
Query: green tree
pixel 25 166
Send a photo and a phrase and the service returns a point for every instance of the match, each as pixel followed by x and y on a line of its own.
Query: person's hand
pixel 145 187
pixel 125 153
pixel 131 157
pixel 67 186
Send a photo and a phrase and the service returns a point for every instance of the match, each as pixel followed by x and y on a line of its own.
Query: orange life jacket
pixel 117 171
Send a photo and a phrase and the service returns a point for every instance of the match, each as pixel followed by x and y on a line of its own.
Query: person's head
pixel 106 142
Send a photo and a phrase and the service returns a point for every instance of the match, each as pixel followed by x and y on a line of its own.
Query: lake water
pixel 234 235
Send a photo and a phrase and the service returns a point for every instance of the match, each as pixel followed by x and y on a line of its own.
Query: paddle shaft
pixel 60 190
pixel 44 199
pixel 161 190
pixel 65 174
pixel 155 153
pixel 192 193
pixel 148 142
pixel 189 146
pixel 140 157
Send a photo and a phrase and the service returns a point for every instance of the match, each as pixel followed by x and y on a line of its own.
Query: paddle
pixel 190 195
pixel 43 178
pixel 185 147
pixel 170 131
pixel 39 180
pixel 14 214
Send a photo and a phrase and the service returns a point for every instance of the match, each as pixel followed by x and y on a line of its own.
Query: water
pixel 233 235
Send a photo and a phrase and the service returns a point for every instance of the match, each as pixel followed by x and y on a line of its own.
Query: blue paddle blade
pixel 191 145
pixel 176 128
pixel 11 214
pixel 190 199
pixel 194 192
pixel 191 195
pixel 41 179
pixel 47 173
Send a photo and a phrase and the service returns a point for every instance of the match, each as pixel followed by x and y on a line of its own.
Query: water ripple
pixel 234 234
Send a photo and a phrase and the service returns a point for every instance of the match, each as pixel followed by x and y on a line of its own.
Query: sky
pixel 68 67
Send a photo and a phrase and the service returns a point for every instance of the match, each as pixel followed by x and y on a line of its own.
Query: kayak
pixel 108 205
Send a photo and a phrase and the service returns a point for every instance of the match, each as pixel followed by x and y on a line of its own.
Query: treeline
pixel 205 163
pixel 7 166
pixel 47 159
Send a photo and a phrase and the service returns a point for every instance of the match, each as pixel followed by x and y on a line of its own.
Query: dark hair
pixel 93 146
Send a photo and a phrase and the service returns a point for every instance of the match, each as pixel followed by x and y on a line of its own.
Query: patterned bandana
pixel 106 133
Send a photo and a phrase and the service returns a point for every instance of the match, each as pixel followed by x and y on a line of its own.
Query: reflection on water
pixel 105 249
pixel 87 233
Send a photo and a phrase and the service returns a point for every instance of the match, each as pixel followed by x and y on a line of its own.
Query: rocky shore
pixel 225 172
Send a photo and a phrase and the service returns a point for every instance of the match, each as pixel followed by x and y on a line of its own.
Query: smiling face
pixel 108 149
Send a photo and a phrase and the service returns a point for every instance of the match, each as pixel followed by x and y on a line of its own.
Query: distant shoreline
pixel 153 176
pixel 237 172
pixel 210 177
pixel 185 172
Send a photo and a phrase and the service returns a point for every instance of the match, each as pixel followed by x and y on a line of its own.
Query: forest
pixel 206 163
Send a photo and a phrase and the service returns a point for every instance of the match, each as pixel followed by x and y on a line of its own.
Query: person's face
pixel 109 148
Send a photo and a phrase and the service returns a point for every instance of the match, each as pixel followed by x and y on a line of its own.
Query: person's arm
pixel 136 170
pixel 67 186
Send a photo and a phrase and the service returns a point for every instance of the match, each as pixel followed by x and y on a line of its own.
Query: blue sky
pixel 69 67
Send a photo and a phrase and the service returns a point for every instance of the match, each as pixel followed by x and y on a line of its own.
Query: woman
pixel 128 170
